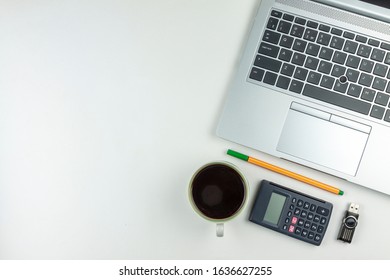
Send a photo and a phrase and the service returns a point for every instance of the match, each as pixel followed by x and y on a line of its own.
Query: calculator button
pixel 305 233
pixel 323 221
pixel 303 214
pixel 289 214
pixel 310 235
pixel 294 200
pixel 298 231
pixel 323 211
pixel 294 220
pixel 317 237
pixel 316 219
pixel 307 224
pixel 297 211
pixel 310 216
pixel 314 227
pixel 313 208
pixel 287 220
pixel 285 227
pixel 301 222
pixel 320 229
pixel 291 228
pixel 300 203
pixel 306 205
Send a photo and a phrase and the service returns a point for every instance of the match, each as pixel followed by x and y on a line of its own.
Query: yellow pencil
pixel 285 172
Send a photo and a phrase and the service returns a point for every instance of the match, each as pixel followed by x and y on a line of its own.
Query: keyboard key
pixel 354 90
pixel 364 51
pixel 368 94
pixel 257 74
pixel 276 14
pixel 323 39
pixel 331 97
pixel 353 61
pixel 297 30
pixel 378 55
pixel 312 49
pixel 348 35
pixel 300 73
pixel 379 84
pixel 373 42
pixel 324 27
pixel 337 43
pixel 283 82
pixel 298 59
pixel 340 87
pixel 377 112
pixel 380 70
pixel 387 116
pixel 271 37
pixel 300 20
pixel 361 39
pixel 312 24
pixel 338 71
pixel 288 17
pixel 387 59
pixel 299 45
pixel 327 82
pixel 267 63
pixel 352 75
pixel 286 41
pixel 270 78
pixel 272 23
pixel 366 65
pixel 296 86
pixel 385 46
pixel 312 63
pixel 350 47
pixel 339 57
pixel 382 99
pixel 287 69
pixel 268 49
pixel 365 79
pixel 310 34
pixel 336 31
pixel 326 53
pixel 285 55
pixel 325 67
pixel 284 26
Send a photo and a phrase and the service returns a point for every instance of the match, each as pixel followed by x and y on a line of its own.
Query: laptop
pixel 313 87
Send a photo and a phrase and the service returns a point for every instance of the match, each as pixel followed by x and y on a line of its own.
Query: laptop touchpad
pixel 323 138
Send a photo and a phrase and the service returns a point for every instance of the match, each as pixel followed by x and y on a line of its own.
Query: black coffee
pixel 218 191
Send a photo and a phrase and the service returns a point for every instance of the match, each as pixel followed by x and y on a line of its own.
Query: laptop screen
pixel 381 3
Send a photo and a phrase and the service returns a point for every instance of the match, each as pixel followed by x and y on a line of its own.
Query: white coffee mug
pixel 217 192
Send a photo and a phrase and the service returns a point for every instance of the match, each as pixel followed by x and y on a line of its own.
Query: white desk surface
pixel 107 107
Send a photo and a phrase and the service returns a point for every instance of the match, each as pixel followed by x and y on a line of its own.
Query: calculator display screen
pixel 274 208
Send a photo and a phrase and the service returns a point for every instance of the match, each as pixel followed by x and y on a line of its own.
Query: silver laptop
pixel 313 87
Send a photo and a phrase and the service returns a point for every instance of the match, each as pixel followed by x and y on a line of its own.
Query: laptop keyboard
pixel 325 63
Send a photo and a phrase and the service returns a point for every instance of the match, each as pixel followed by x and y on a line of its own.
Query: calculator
pixel 290 212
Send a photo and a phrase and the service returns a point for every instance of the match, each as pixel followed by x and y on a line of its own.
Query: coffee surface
pixel 218 191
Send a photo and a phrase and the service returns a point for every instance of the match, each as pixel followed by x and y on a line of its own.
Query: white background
pixel 106 110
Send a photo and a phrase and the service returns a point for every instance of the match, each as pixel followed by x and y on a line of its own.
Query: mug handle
pixel 220 229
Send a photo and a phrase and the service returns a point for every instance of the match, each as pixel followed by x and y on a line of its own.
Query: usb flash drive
pixel 349 223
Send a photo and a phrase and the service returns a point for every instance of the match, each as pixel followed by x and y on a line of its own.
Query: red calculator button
pixel 294 220
pixel 291 229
